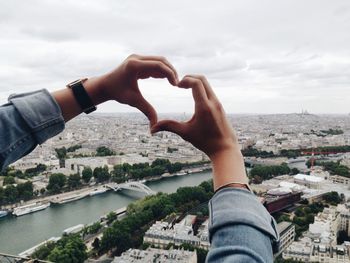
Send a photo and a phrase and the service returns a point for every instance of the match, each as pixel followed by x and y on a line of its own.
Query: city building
pixel 162 233
pixel 340 179
pixel 280 199
pixel 319 243
pixel 286 231
pixel 310 181
pixel 153 255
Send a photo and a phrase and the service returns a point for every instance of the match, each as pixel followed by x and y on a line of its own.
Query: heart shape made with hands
pixel 208 119
pixel 162 98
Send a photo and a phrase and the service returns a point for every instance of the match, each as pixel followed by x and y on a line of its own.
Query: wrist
pixel 228 166
pixel 96 90
pixel 227 152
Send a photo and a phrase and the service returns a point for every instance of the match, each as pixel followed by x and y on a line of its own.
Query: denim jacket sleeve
pixel 27 120
pixel 240 228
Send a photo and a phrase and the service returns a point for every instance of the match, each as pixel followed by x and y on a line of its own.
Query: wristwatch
pixel 81 96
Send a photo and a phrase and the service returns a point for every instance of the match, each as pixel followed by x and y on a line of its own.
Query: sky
pixel 259 56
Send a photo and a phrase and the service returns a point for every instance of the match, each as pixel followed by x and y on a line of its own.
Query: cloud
pixel 269 56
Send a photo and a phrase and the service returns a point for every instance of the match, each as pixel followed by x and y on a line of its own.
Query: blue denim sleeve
pixel 240 228
pixel 27 120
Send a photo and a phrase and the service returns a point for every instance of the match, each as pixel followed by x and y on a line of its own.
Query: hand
pixel 209 131
pixel 121 84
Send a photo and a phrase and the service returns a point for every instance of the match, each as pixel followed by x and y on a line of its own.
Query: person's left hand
pixel 121 83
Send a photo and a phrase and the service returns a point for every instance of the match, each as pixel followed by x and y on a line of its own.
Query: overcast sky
pixel 260 56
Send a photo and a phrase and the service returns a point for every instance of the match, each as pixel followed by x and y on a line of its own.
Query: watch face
pixel 81 96
pixel 69 85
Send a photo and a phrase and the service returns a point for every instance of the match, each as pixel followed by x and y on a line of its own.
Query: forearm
pixel 228 166
pixel 68 103
pixel 27 120
pixel 241 229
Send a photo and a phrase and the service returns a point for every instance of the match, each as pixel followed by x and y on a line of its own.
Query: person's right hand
pixel 209 131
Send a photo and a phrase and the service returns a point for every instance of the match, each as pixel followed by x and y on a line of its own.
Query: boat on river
pixel 71 198
pixel 3 213
pixel 31 208
pixel 97 191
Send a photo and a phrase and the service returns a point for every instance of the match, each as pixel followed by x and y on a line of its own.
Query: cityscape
pixel 111 192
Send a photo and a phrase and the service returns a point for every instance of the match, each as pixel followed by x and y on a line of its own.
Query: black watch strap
pixel 81 96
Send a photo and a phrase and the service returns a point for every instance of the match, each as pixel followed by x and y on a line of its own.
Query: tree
pixel 332 198
pixel 74 181
pixel 118 174
pixel 87 174
pixel 56 183
pixel 111 216
pixel 101 174
pixel 18 174
pixel 9 180
pixel 43 251
pixel 160 162
pixel 104 151
pixel 69 249
pixel 25 190
pixel 10 194
pixel 96 243
pixel 94 228
pixel 74 148
pixel 294 171
pixel 2 196
pixel 61 152
pixel 42 191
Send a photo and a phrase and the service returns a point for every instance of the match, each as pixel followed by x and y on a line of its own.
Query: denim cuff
pixel 234 206
pixel 41 113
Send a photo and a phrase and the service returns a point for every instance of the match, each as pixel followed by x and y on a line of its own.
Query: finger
pixel 209 91
pixel 155 69
pixel 197 87
pixel 162 59
pixel 169 125
pixel 143 105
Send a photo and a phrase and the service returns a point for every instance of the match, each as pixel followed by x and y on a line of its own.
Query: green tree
pixel 2 196
pixel 9 180
pixel 87 174
pixel 69 249
pixel 111 216
pixel 56 183
pixel 160 162
pixel 74 181
pixel 43 251
pixel 101 174
pixel 332 198
pixel 18 174
pixel 104 151
pixel 294 171
pixel 94 228
pixel 25 190
pixel 74 148
pixel 10 194
pixel 61 153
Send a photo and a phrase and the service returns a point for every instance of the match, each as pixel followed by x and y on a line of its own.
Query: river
pixel 20 233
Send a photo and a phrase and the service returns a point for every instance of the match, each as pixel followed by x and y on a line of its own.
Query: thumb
pixel 169 125
pixel 147 109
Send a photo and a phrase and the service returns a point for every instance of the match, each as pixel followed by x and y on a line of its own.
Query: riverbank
pixel 89 190
pixel 20 233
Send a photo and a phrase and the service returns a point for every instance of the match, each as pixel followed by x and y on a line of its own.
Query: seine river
pixel 20 233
